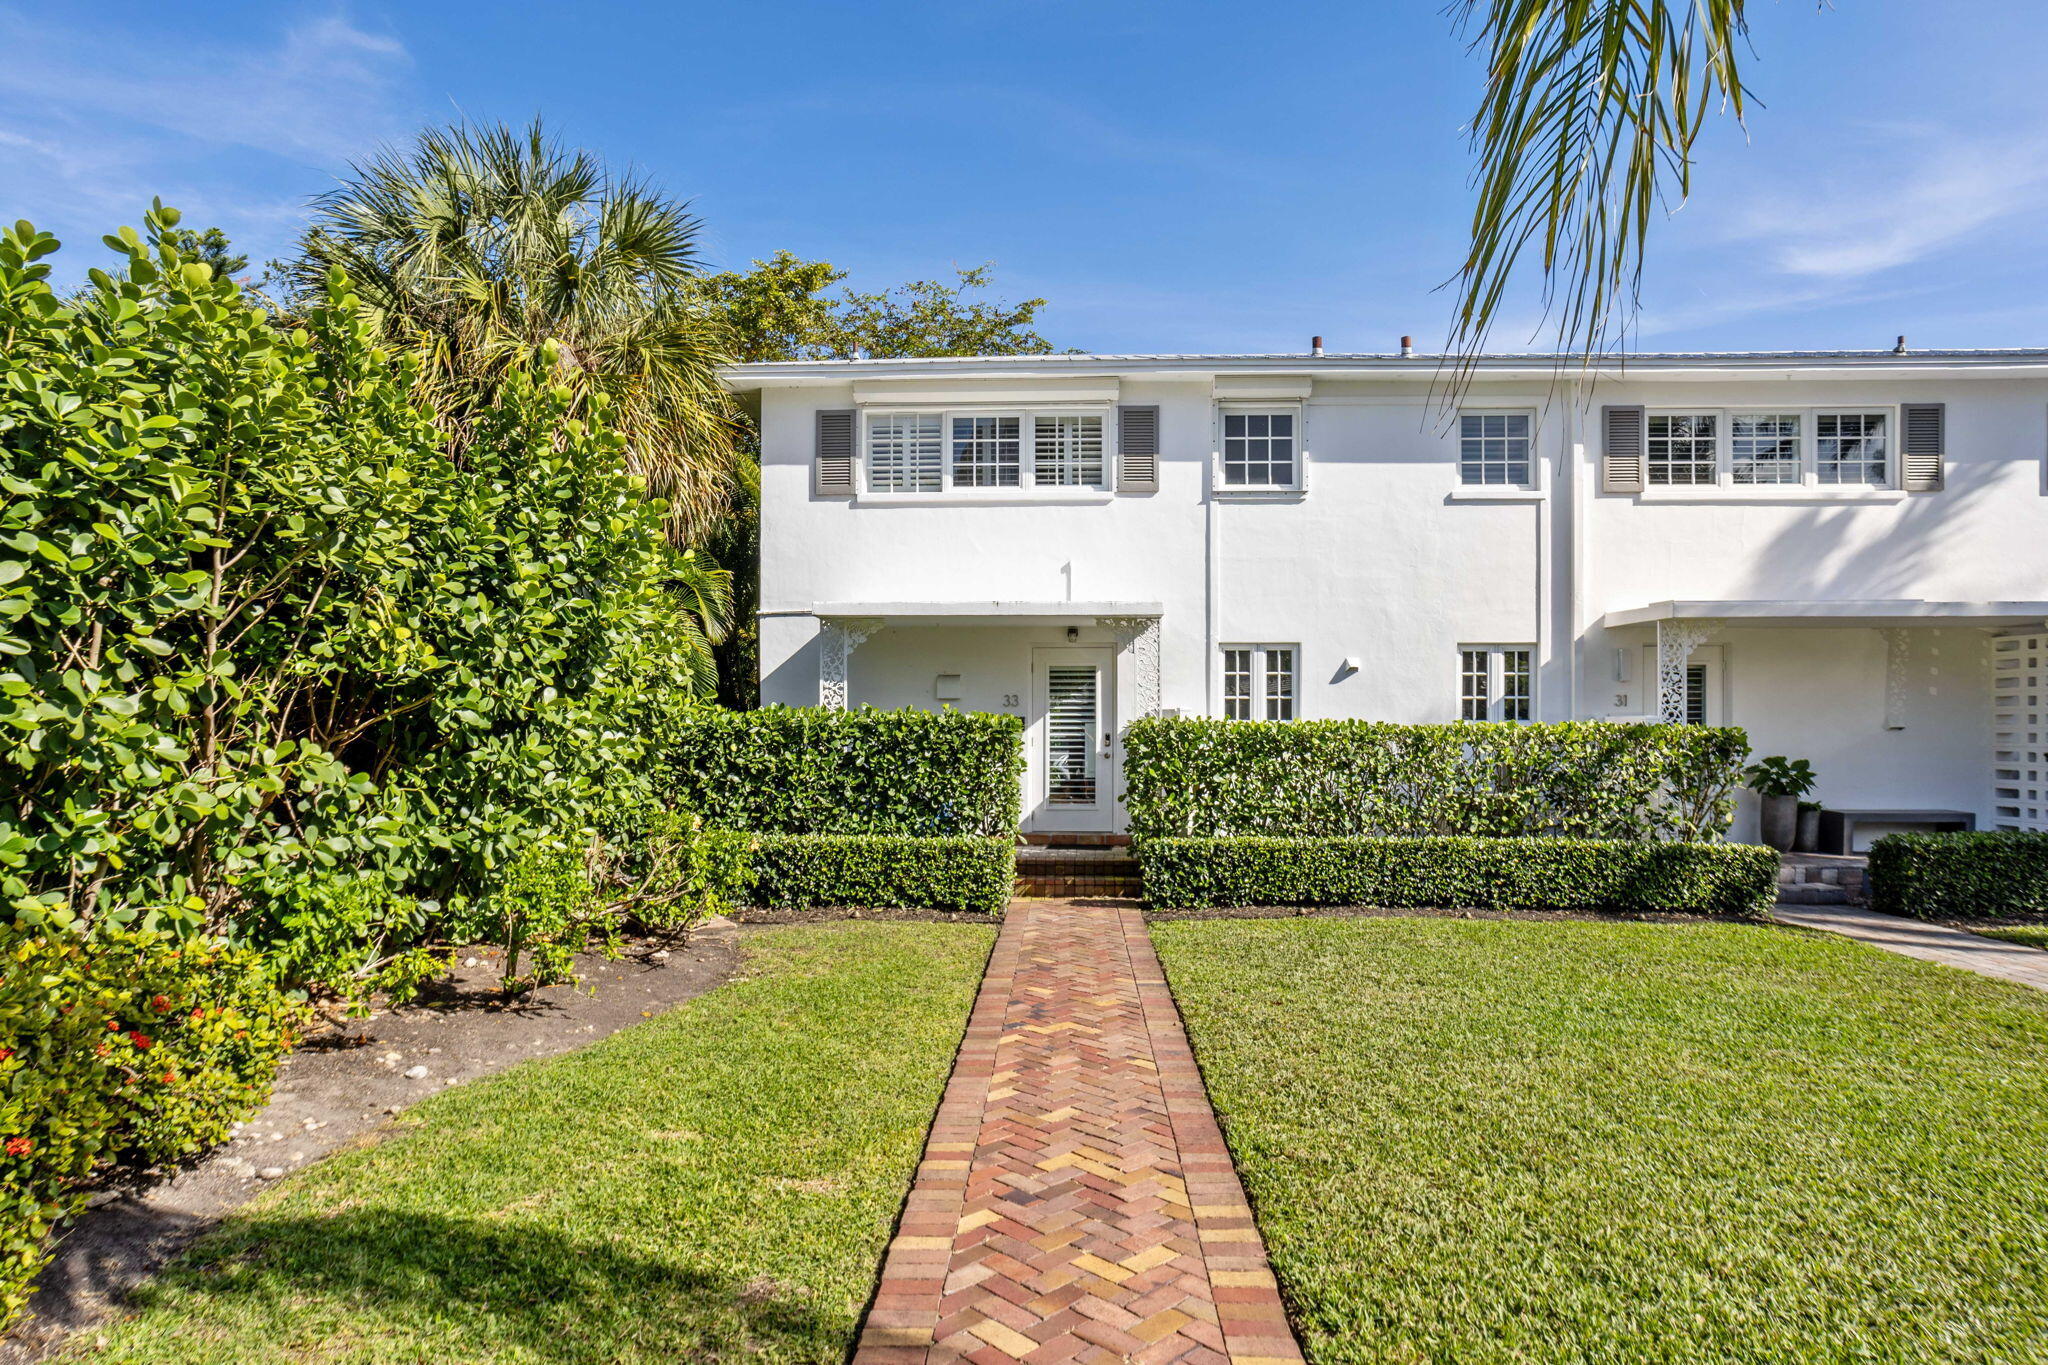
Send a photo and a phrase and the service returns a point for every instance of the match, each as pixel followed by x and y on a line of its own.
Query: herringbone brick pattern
pixel 1076 1201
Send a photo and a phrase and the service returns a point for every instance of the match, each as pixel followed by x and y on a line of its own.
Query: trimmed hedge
pixel 1528 874
pixel 793 871
pixel 1986 875
pixel 807 770
pixel 1194 777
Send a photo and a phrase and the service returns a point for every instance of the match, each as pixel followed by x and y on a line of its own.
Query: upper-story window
pixel 1493 448
pixel 1768 447
pixel 939 452
pixel 1260 449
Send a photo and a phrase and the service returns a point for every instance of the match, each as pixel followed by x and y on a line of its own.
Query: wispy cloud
pixel 95 120
pixel 1919 191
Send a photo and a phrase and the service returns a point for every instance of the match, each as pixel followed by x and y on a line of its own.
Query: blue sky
pixel 1171 176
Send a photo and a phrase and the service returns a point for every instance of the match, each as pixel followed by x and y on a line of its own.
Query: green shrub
pixel 807 770
pixel 1985 875
pixel 1451 871
pixel 1581 779
pixel 959 872
pixel 119 1047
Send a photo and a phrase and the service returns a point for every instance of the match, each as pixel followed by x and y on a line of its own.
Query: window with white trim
pixel 1683 448
pixel 1067 452
pixel 1493 449
pixel 1496 682
pixel 904 452
pixel 1261 449
pixel 1759 448
pixel 1259 682
pixel 943 452
pixel 1849 447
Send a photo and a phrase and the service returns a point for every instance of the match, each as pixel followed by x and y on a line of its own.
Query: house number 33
pixel 1010 701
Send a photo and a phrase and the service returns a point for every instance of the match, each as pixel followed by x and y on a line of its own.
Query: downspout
pixel 1211 585
pixel 1575 541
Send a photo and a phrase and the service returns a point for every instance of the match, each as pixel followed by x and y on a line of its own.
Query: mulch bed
pixel 823 913
pixel 1380 912
pixel 339 1087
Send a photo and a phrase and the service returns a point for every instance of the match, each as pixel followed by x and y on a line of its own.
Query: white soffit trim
pixel 933 391
pixel 971 613
pixel 1232 388
pixel 1900 611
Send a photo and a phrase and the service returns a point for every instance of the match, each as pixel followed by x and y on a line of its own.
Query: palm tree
pixel 479 244
pixel 1585 132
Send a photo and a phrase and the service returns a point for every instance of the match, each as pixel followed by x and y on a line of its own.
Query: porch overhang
pixel 1004 613
pixel 1879 613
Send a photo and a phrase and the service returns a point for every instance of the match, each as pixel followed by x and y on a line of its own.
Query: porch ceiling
pixel 977 613
pixel 1894 611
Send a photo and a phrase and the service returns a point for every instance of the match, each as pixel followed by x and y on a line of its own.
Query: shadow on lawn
pixel 462 1289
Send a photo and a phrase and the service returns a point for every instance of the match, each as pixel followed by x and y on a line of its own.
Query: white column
pixel 836 643
pixel 1895 644
pixel 1139 637
pixel 1676 640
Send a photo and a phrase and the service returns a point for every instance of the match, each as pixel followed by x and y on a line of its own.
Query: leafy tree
pixel 778 311
pixel 211 249
pixel 479 245
pixel 1585 132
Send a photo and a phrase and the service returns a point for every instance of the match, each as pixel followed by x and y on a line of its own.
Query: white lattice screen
pixel 2019 711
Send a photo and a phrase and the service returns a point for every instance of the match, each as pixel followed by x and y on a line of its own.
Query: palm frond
pixel 1585 133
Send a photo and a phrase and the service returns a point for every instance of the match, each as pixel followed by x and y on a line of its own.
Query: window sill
pixel 1234 494
pixel 992 497
pixel 1784 494
pixel 1495 493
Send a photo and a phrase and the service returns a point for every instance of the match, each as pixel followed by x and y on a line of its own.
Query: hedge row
pixel 118 1048
pixel 806 770
pixel 1194 777
pixel 1531 873
pixel 1986 875
pixel 793 871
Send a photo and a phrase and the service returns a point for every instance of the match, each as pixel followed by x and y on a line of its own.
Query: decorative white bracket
pixel 836 643
pixel 1676 640
pixel 1895 643
pixel 1139 635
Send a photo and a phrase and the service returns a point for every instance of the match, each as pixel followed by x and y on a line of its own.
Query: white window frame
pixel 1292 408
pixel 1808 484
pixel 1027 486
pixel 1495 678
pixel 1498 490
pixel 1262 697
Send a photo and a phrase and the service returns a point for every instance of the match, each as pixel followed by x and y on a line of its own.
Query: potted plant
pixel 1781 781
pixel 1808 838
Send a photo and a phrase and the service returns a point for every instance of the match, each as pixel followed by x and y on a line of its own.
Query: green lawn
pixel 2032 935
pixel 718 1183
pixel 1510 1141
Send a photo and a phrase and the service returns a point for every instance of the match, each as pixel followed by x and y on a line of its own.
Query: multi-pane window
pixel 1683 448
pixel 1849 447
pixel 987 452
pixel 1496 682
pixel 1258 450
pixel 1763 447
pixel 904 452
pixel 1259 682
pixel 1493 448
pixel 1067 451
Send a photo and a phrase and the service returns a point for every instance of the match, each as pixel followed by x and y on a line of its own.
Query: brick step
pixel 1814 893
pixel 1068 887
pixel 1822 879
pixel 1056 840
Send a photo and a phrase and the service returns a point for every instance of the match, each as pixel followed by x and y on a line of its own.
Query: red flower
pixel 142 1041
pixel 19 1146
pixel 198 1014
pixel 6 1054
pixel 170 1077
pixel 161 1004
pixel 101 1051
pixel 113 1026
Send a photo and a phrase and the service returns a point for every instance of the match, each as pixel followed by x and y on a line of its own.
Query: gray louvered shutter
pixel 1137 449
pixel 1924 446
pixel 832 466
pixel 1621 449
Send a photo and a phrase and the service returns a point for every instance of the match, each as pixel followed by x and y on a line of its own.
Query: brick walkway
pixel 1076 1201
pixel 1929 942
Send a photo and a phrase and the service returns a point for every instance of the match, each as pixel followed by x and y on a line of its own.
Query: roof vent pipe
pixel 1315 346
pixel 1407 347
pixel 1900 349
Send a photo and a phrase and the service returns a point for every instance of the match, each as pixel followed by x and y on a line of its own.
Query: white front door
pixel 1072 740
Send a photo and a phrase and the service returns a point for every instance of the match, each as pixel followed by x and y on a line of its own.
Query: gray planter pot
pixel 1780 822
pixel 1809 832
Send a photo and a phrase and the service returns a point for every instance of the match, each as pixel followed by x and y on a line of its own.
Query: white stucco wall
pixel 1385 559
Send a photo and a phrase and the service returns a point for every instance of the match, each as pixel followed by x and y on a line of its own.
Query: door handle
pixel 1108 738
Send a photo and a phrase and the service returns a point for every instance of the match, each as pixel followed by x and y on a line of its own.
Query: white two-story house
pixel 1844 553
